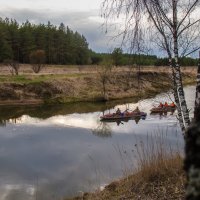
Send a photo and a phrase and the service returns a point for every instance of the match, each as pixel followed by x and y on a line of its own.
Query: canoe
pixel 122 116
pixel 163 109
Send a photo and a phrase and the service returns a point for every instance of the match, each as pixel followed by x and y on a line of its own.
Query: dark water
pixel 52 152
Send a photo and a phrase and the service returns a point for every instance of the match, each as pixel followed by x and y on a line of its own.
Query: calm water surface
pixel 52 152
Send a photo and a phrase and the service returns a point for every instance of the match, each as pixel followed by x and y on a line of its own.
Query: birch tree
pixel 173 25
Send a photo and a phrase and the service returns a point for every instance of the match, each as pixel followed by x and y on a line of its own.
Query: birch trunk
pixel 175 92
pixel 180 98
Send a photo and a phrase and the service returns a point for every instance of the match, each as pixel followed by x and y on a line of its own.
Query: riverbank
pixel 156 175
pixel 160 179
pixel 64 84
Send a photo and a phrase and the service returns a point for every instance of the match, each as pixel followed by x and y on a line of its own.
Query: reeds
pixel 158 174
pixel 159 171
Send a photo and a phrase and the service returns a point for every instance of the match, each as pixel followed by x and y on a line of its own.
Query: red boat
pixel 163 109
pixel 122 116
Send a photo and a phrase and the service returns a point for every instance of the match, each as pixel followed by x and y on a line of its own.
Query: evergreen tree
pixel 117 56
pixel 61 44
pixel 27 43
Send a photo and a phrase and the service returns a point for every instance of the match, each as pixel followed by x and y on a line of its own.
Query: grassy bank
pixel 162 180
pixel 58 84
pixel 159 175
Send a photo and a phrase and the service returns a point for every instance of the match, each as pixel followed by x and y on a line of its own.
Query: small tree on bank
pixel 117 56
pixel 37 60
pixel 13 66
pixel 104 73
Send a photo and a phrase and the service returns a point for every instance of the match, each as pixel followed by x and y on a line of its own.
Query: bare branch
pixel 187 13
pixel 188 26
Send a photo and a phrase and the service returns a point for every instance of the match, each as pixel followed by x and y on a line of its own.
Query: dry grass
pixel 72 84
pixel 159 176
pixel 25 69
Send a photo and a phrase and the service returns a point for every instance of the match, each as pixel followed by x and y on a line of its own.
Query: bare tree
pixel 104 73
pixel 172 24
pixel 13 66
pixel 37 59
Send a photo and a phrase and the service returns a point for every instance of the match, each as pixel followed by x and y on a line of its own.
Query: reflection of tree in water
pixel 2 122
pixel 102 130
pixel 137 119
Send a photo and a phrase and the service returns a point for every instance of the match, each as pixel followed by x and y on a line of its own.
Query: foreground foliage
pixel 166 181
pixel 159 175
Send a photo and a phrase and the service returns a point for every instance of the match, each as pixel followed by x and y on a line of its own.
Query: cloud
pixel 87 23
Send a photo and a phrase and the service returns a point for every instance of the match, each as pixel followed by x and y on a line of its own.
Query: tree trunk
pixel 192 160
pixel 175 92
pixel 197 99
pixel 180 97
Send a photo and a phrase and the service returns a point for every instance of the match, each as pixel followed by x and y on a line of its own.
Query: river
pixel 50 152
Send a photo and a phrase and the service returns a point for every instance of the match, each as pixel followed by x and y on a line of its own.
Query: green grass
pixel 13 79
pixel 25 79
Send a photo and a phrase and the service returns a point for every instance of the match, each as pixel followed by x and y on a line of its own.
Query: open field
pixel 25 69
pixel 62 84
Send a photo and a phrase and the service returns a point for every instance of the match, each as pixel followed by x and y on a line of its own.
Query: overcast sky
pixel 80 15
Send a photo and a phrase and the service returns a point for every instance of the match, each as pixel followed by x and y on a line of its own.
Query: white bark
pixel 176 97
pixel 183 110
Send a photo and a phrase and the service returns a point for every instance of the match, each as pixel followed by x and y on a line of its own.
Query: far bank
pixel 63 84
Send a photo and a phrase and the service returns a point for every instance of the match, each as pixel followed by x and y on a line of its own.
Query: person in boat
pixel 173 105
pixel 166 105
pixel 126 113
pixel 137 110
pixel 160 105
pixel 118 112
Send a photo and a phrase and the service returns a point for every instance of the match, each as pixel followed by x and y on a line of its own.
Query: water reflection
pixel 102 130
pixel 85 116
pixel 79 120
pixel 48 153
pixel 3 122
pixel 163 114
pixel 47 111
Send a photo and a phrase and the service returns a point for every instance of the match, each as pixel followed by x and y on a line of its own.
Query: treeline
pixel 123 59
pixel 60 44
pixel 185 61
pixel 120 59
